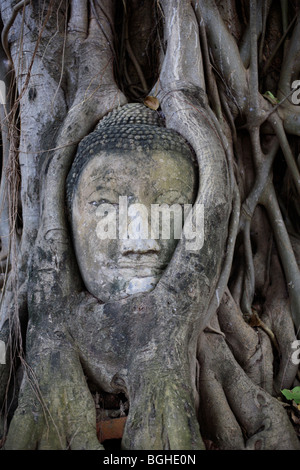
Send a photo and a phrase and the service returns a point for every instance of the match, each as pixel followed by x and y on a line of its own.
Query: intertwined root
pixel 161 414
pixel 55 410
pixel 237 383
pixel 237 409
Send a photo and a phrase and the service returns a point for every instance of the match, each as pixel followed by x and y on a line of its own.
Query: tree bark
pixel 204 356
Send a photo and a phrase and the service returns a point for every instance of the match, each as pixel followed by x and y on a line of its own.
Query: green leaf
pixel 270 97
pixel 292 394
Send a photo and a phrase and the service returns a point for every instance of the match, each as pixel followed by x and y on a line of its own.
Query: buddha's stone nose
pixel 139 246
pixel 138 239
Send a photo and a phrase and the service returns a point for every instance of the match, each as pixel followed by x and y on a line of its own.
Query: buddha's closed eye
pixel 106 196
pixel 101 201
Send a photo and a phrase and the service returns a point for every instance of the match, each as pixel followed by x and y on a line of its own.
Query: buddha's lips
pixel 139 271
pixel 152 265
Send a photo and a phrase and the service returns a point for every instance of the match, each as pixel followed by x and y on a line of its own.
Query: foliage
pixel 293 394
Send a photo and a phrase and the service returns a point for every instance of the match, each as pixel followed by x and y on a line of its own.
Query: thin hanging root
pixel 260 183
pixel 33 382
pixel 4 206
pixel 265 8
pixel 134 60
pixel 257 322
pixel 286 149
pixel 210 79
pixel 277 47
pixel 4 35
pixel 284 14
pixel 254 101
pixel 101 27
pixel 268 198
pixel 285 250
pixel 231 69
pixel 226 268
pixel 249 275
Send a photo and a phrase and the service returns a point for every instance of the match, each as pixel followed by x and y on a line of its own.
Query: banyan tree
pixel 120 116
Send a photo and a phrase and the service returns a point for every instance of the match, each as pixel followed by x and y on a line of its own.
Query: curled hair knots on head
pixel 132 127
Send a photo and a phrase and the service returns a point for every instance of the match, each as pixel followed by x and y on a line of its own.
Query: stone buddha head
pixel 124 174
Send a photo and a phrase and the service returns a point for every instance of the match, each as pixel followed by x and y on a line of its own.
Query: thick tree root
pixel 56 410
pixel 246 416
pixel 162 414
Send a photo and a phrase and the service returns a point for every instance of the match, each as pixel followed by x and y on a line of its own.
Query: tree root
pixel 162 415
pixel 255 420
pixel 277 314
pixel 56 409
pixel 244 367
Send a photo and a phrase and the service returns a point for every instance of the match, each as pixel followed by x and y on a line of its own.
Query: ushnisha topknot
pixel 132 127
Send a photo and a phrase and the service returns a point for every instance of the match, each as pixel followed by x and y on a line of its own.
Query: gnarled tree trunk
pixel 203 357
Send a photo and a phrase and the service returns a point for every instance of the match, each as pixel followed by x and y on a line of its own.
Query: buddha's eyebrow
pixel 107 175
pixel 99 188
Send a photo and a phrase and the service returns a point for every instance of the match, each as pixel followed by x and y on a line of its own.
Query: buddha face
pixel 117 252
